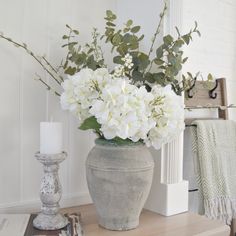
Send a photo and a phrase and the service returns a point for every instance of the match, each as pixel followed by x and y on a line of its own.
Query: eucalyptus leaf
pixel 76 32
pixel 159 52
pixel 137 75
pixel 125 30
pixel 149 77
pixel 186 39
pixel 65 37
pixel 109 13
pixel 64 45
pixel 118 60
pixel 70 70
pixel 159 76
pixel 110 24
pixel 129 23
pixel 135 29
pixel 177 45
pixel 190 75
pixel 127 38
pixel 185 59
pixel 168 39
pixel 134 45
pixel 91 63
pixel 158 61
pixel 141 37
pixel 72 44
pixel 68 26
pixel 171 59
pixel 116 39
pixel 198 32
pixel 177 30
pixel 90 50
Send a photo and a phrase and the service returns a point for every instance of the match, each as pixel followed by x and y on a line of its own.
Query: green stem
pixel 47 86
pixel 52 68
pixel 158 29
pixel 155 37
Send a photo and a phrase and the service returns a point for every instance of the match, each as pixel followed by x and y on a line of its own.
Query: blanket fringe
pixel 222 208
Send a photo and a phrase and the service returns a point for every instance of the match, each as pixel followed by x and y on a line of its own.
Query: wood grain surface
pixel 152 224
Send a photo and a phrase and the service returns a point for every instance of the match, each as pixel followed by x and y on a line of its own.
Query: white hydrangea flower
pixel 81 89
pixel 168 112
pixel 123 111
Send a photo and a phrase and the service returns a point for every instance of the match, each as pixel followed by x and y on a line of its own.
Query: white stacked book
pixel 22 225
pixel 13 224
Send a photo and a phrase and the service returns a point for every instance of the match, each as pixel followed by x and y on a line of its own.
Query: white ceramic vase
pixel 119 178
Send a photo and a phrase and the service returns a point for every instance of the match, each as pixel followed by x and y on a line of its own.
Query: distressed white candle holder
pixel 50 193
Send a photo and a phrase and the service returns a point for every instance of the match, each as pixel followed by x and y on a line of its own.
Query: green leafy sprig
pixel 161 68
pixel 78 57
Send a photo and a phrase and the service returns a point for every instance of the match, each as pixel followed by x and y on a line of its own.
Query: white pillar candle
pixel 50 137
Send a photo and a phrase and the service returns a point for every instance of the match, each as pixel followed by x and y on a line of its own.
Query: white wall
pixel 143 13
pixel 214 52
pixel 24 102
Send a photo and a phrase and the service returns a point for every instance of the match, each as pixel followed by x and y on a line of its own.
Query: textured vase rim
pixel 114 143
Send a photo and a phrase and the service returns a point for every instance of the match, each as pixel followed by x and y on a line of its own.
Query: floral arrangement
pixel 136 100
pixel 117 109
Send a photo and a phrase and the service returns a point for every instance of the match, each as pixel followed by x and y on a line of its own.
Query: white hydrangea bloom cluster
pixel 81 89
pixel 122 109
pixel 168 112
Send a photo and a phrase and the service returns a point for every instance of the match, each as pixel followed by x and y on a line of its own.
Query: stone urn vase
pixel 119 178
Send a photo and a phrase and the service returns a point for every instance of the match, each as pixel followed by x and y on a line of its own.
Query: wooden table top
pixel 152 224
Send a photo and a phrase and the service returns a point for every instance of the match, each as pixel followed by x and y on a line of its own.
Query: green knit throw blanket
pixel 214 148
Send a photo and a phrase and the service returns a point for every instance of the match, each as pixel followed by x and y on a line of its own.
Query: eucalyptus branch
pixel 68 43
pixel 158 28
pixel 24 46
pixel 48 87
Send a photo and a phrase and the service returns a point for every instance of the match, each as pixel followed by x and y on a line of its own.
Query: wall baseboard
pixel 35 205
